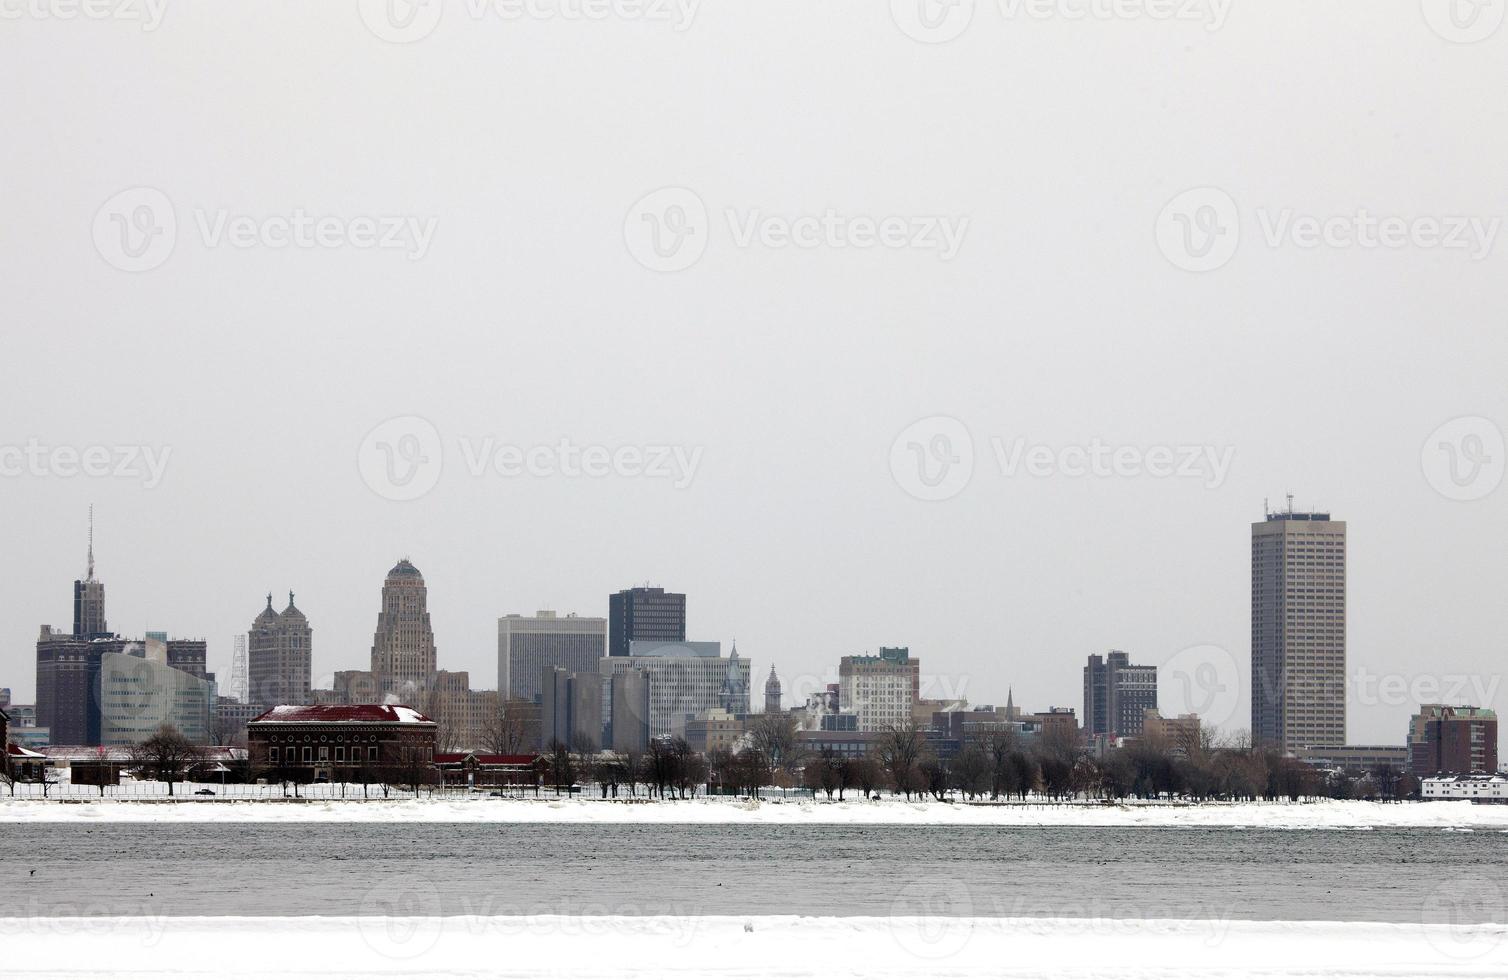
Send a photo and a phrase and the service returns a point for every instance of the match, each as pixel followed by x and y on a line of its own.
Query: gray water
pixel 530 869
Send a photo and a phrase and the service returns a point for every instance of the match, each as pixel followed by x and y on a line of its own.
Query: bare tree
pixel 505 732
pixel 775 737
pixel 562 766
pixel 899 752
pixel 167 756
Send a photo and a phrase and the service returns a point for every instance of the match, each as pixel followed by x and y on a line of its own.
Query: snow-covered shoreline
pixel 735 946
pixel 1320 815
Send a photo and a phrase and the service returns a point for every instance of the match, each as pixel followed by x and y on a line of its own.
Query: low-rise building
pixel 1478 789
pixel 481 769
pixel 1356 758
pixel 342 742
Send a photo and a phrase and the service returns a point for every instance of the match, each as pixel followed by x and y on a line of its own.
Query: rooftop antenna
pixel 1290 505
pixel 89 577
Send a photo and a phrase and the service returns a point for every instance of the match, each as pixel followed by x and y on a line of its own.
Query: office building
pixel 279 656
pixel 570 709
pixel 682 687
pixel 644 614
pixel 139 692
pixel 526 645
pixel 1298 631
pixel 628 712
pixel 403 646
pixel 880 690
pixel 1117 695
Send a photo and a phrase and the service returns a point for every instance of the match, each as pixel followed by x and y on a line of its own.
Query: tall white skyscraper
pixel 1298 631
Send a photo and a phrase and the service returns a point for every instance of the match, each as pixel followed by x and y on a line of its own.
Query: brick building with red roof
pixel 343 743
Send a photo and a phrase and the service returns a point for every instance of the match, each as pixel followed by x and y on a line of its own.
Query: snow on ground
pixel 1326 814
pixel 767 948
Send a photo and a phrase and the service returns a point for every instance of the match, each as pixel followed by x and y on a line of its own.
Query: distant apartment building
pixel 1054 723
pixel 230 720
pixel 1298 631
pixel 526 645
pixel 461 715
pixel 684 681
pixel 879 690
pixel 570 709
pixel 644 614
pixel 628 711
pixel 1447 740
pixel 403 645
pixel 279 656
pixel 355 687
pixel 714 730
pixel 1117 695
pixel 1181 734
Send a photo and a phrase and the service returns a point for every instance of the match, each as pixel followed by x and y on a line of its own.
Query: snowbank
pixel 1317 815
pixel 762 947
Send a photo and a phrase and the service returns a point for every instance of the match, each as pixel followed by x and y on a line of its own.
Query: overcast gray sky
pixel 878 325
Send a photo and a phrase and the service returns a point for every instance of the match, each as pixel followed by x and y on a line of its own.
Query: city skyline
pixel 941 681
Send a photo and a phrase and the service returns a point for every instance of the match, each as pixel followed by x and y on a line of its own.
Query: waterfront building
pixel 343 742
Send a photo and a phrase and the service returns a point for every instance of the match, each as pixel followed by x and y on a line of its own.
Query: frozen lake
pixel 426 869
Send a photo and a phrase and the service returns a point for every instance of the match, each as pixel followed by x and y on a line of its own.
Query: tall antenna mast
pixel 89 577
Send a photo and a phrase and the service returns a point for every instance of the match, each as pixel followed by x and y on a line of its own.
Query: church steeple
pixel 772 693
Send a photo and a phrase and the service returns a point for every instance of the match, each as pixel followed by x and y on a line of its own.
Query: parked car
pixel 204 792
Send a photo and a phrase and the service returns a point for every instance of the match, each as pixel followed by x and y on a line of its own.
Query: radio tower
pixel 239 685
